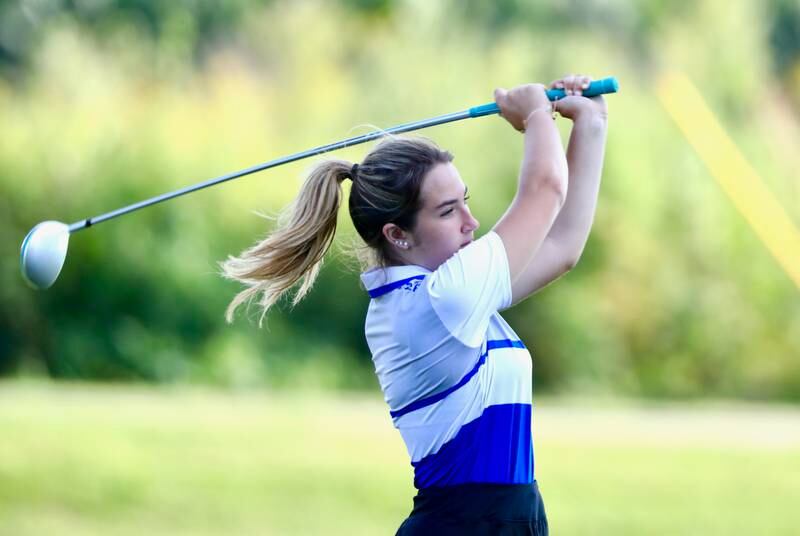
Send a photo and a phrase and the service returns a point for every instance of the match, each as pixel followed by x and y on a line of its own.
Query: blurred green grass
pixel 88 459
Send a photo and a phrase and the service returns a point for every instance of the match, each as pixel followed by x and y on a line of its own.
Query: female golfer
pixel 456 377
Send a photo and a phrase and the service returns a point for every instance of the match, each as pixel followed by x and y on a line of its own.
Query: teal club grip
pixel 598 87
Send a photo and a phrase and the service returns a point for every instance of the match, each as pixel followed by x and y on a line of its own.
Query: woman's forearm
pixel 585 162
pixel 544 165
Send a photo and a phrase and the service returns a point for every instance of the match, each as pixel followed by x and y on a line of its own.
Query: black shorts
pixel 469 509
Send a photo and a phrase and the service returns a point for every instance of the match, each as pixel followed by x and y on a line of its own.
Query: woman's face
pixel 444 224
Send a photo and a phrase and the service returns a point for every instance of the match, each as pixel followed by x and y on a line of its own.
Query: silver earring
pixel 402 243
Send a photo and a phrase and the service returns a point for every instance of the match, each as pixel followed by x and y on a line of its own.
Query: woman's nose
pixel 471 223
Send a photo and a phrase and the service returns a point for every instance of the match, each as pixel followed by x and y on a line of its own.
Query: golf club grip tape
pixel 598 87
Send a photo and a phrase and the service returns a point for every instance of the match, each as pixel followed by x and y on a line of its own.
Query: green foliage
pixel 674 295
pixel 785 34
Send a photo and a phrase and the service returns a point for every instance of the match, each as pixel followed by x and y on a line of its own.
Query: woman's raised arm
pixel 542 187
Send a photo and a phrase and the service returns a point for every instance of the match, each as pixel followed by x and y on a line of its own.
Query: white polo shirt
pixel 456 377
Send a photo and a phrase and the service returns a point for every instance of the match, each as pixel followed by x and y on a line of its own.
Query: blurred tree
pixel 784 38
pixel 674 296
pixel 784 34
pixel 202 24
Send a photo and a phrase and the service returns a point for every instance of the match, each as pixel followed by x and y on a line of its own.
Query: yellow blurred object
pixel 737 178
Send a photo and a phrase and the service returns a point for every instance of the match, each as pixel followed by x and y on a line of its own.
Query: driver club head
pixel 43 253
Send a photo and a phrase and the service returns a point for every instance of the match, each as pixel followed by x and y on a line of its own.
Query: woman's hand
pixel 518 103
pixel 574 105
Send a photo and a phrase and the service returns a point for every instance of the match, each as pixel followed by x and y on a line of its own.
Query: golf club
pixel 45 247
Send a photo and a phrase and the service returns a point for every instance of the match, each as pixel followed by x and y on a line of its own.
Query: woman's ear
pixel 396 236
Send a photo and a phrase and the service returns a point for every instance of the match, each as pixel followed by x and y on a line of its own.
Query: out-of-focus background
pixel 666 364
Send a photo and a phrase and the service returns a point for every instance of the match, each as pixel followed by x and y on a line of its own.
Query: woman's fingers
pixel 572 84
pixel 517 103
pixel 581 83
pixel 500 97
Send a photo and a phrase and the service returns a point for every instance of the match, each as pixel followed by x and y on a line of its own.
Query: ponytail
pixel 294 251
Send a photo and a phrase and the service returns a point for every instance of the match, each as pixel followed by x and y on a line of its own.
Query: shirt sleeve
pixel 472 285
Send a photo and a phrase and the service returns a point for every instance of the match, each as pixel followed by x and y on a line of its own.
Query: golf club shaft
pixel 82 224
pixel 607 85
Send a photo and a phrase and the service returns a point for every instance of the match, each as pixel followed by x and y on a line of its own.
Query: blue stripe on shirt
pixel 423 402
pixel 497 447
pixel 385 289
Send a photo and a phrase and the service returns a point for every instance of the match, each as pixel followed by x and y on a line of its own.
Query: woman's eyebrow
pixel 451 201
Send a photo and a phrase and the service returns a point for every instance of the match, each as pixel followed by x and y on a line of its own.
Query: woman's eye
pixel 446 212
pixel 466 199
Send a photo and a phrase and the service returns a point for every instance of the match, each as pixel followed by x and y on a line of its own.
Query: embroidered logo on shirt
pixel 412 285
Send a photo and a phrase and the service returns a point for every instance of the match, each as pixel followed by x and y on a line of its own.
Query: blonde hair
pixel 386 188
